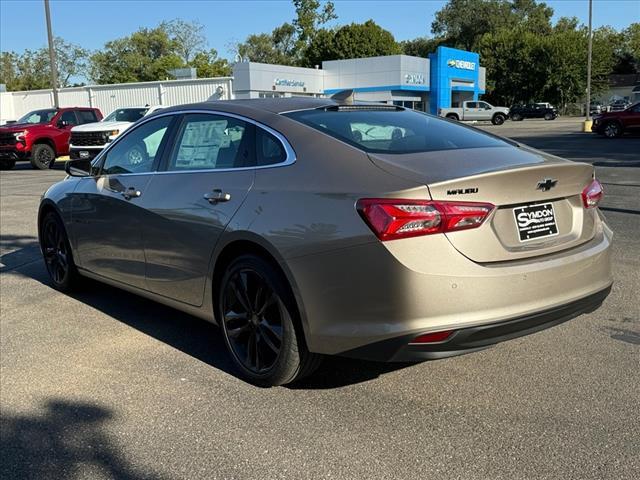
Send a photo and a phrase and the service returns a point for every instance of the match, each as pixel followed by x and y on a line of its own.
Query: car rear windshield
pixel 394 131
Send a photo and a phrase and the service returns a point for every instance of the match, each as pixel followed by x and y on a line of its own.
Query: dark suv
pixel 533 110
pixel 614 124
pixel 42 135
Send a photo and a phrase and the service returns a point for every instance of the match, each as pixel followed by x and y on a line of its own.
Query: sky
pixel 91 23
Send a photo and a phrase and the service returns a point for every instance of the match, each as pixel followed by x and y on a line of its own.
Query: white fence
pixel 109 97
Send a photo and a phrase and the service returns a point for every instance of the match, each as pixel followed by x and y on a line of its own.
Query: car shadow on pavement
pixel 59 441
pixel 198 338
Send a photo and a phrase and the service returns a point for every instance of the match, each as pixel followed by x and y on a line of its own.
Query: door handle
pixel 130 193
pixel 216 196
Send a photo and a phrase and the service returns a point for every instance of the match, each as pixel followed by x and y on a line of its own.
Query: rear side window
pixel 212 142
pixel 269 150
pixel 86 116
pixel 394 131
pixel 69 117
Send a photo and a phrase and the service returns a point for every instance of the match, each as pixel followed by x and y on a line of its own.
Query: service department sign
pixel 284 82
pixel 461 64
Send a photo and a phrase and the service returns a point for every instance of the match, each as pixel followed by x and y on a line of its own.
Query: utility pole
pixel 52 56
pixel 589 65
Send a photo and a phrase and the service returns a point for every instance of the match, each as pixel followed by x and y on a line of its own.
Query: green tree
pixel 310 15
pixel 71 60
pixel 462 23
pixel 188 37
pixel 420 47
pixel 208 64
pixel 146 55
pixel 357 40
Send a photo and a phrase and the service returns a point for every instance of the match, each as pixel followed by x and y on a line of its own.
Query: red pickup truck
pixel 42 135
pixel 614 124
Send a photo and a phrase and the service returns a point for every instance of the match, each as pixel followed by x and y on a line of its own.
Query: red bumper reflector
pixel 434 337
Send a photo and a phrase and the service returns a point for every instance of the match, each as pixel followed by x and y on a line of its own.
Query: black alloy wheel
pixel 549 116
pixel 42 156
pixel 516 117
pixel 253 315
pixel 612 130
pixel 256 313
pixel 57 253
pixel 498 119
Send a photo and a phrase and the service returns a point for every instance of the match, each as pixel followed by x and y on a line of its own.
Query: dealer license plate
pixel 535 221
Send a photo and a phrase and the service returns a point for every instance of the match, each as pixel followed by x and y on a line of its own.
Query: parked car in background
pixel 435 239
pixel 616 123
pixel 533 110
pixel 595 108
pixel 90 139
pixel 476 111
pixel 42 135
pixel 619 105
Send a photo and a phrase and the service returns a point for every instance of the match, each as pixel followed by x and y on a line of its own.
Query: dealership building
pixel 445 79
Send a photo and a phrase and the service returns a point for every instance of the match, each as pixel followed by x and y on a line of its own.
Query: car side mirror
pixel 62 124
pixel 78 168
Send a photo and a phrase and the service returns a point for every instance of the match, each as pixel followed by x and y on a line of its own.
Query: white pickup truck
pixel 476 111
pixel 88 140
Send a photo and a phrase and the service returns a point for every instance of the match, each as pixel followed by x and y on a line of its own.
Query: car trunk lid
pixel 525 186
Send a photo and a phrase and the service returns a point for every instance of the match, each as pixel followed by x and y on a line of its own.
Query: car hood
pixel 101 126
pixel 18 127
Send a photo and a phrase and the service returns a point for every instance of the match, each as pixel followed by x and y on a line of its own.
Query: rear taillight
pixel 391 219
pixel 592 194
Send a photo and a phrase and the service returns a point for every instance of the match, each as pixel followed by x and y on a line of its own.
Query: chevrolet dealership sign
pixel 462 64
pixel 284 82
pixel 414 78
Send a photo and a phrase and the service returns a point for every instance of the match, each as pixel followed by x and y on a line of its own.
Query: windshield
pixel 394 131
pixel 38 116
pixel 126 115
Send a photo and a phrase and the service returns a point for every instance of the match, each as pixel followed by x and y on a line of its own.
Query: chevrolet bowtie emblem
pixel 547 184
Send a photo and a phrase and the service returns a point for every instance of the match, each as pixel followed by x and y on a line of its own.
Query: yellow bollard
pixel 586 126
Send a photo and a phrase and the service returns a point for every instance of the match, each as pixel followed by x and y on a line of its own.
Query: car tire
pixel 498 119
pixel 42 156
pixel 452 116
pixel 6 164
pixel 57 254
pixel 612 130
pixel 516 117
pixel 549 116
pixel 259 320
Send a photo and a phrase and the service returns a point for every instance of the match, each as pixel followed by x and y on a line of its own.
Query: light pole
pixel 589 65
pixel 52 56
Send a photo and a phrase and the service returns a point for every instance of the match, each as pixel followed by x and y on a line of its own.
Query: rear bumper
pixel 357 300
pixel 471 339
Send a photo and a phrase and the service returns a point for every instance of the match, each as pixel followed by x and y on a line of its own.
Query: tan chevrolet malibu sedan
pixel 312 227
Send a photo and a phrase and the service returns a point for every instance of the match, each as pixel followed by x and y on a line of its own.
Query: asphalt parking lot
pixel 107 385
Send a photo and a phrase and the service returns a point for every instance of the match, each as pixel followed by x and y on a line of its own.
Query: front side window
pixel 394 131
pixel 212 142
pixel 38 116
pixel 484 105
pixel 137 150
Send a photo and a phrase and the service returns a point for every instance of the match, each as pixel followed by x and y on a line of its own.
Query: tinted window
pixel 212 142
pixel 69 117
pixel 86 116
pixel 126 115
pixel 483 105
pixel 472 104
pixel 390 131
pixel 38 116
pixel 269 150
pixel 137 150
